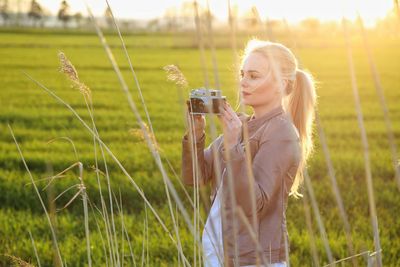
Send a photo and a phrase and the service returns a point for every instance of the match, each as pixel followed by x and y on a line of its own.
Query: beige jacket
pixel 275 156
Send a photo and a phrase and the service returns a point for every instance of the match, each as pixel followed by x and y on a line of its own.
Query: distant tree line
pixel 32 13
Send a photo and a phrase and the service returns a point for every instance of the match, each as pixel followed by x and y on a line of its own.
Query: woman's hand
pixel 198 125
pixel 231 125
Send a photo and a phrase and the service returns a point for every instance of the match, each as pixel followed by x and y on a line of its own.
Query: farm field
pixel 40 125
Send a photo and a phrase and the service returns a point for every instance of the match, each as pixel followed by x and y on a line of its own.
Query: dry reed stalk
pixel 109 234
pixel 70 71
pixel 113 246
pixel 200 43
pixel 331 171
pixel 318 217
pixel 213 135
pixel 81 191
pixel 69 140
pixel 110 226
pixel 86 213
pixel 368 174
pixel 397 9
pixel 314 252
pixel 265 30
pixel 232 196
pixel 93 207
pixel 195 174
pixel 206 82
pixel 54 238
pixel 131 180
pixel 177 224
pixel 335 188
pixel 181 185
pixel 212 47
pixel 145 241
pixel 382 101
pixel 130 66
pixel 368 253
pixel 233 30
pixel 253 235
pixel 52 210
pixel 155 153
pixel 34 248
pixel 123 230
pixel 249 168
pixel 176 76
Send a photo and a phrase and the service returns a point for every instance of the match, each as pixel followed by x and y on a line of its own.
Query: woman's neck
pixel 259 111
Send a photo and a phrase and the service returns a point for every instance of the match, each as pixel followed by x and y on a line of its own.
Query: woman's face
pixel 257 85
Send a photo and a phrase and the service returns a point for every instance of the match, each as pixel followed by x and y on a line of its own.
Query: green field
pixel 36 118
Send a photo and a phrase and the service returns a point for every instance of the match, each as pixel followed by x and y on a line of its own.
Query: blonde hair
pixel 299 95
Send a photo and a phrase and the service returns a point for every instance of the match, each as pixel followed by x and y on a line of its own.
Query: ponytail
pixel 301 106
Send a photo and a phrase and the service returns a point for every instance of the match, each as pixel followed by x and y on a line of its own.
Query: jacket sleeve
pixel 204 164
pixel 271 162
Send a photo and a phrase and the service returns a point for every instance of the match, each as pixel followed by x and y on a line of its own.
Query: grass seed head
pixel 139 134
pixel 18 261
pixel 69 70
pixel 175 75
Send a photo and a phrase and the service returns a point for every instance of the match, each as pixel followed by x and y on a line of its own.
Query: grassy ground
pixel 37 118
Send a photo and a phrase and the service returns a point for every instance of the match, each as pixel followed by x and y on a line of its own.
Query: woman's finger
pixel 227 123
pixel 225 113
pixel 230 111
pixel 229 118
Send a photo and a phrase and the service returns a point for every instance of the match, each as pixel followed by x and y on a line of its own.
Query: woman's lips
pixel 245 93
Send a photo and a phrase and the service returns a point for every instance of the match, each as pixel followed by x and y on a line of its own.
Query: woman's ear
pixel 283 86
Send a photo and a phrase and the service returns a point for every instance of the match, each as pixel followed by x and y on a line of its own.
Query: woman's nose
pixel 243 82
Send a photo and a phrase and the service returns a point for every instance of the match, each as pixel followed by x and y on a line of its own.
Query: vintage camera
pixel 204 100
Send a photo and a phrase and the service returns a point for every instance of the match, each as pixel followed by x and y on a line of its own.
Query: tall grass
pixel 34 249
pixel 111 154
pixel 335 187
pixel 382 101
pixel 200 42
pixel 318 217
pixel 360 119
pixel 54 237
pixel 150 137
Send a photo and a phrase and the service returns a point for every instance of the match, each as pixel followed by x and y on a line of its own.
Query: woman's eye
pixel 253 77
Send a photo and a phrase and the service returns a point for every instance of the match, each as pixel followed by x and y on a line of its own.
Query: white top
pixel 212 236
pixel 213 252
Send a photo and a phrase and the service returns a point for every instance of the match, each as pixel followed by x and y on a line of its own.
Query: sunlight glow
pixel 291 10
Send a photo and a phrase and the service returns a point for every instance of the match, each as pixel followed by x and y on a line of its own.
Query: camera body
pixel 204 101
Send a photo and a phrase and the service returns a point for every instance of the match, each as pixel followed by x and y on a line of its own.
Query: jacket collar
pixel 255 123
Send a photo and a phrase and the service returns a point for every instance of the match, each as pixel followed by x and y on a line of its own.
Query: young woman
pixel 253 177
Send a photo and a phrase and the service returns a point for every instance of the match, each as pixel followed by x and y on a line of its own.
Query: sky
pixel 291 10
